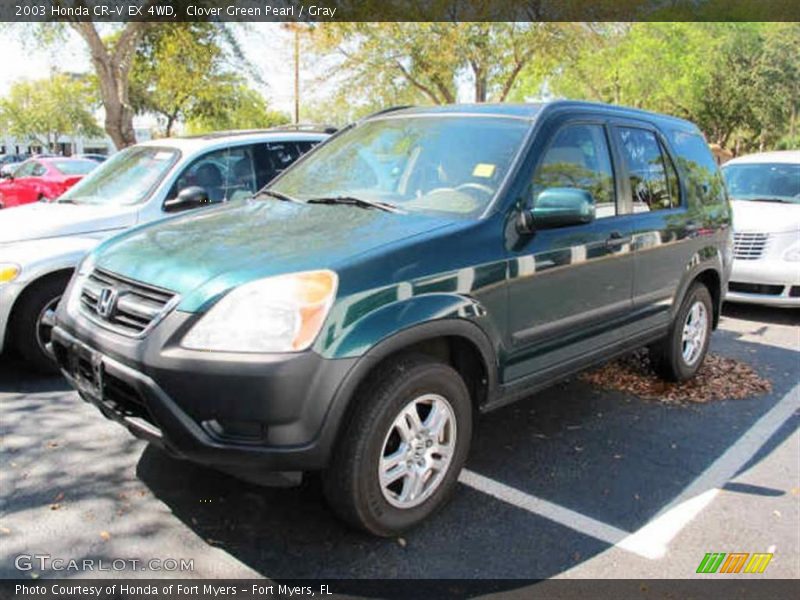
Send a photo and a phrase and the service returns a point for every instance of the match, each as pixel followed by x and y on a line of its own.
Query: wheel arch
pixel 458 342
pixel 65 272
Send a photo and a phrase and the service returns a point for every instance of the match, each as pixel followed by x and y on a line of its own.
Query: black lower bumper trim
pixel 131 397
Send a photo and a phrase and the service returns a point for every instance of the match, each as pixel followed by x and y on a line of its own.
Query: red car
pixel 42 179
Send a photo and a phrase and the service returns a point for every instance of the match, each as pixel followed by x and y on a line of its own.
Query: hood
pixel 46 220
pixel 765 217
pixel 203 254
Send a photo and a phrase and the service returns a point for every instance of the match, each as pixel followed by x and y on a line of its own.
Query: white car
pixel 41 243
pixel 765 194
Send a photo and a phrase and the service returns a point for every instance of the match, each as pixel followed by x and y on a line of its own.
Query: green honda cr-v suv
pixel 421 267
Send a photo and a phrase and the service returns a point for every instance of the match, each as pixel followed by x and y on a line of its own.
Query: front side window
pixel 647 169
pixel 578 157
pixel 226 174
pixel 127 178
pixel 450 165
pixel 763 182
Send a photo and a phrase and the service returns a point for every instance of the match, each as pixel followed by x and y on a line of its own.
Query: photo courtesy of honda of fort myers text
pixel 399 300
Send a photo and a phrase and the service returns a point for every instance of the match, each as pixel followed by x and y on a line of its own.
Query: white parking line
pixel 651 540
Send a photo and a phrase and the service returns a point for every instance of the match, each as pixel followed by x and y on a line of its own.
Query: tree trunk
pixel 112 66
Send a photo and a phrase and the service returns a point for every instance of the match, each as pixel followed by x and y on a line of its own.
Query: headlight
pixel 793 253
pixel 9 272
pixel 276 314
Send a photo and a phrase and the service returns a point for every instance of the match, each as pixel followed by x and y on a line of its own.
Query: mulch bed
pixel 719 378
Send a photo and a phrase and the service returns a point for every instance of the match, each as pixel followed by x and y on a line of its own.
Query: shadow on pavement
pixel 16 377
pixel 612 457
pixel 762 314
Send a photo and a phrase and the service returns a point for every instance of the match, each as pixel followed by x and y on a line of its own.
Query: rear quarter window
pixel 698 168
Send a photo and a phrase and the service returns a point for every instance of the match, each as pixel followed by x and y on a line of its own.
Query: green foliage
pixel 235 107
pixel 383 64
pixel 46 109
pixel 183 72
pixel 738 81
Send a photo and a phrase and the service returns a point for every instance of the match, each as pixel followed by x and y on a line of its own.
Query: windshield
pixel 763 181
pixel 74 167
pixel 448 164
pixel 127 178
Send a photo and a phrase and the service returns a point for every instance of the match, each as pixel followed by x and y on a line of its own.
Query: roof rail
pixel 308 127
pixel 387 110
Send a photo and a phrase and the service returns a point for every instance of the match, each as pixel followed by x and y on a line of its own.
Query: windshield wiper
pixel 66 201
pixel 274 194
pixel 352 201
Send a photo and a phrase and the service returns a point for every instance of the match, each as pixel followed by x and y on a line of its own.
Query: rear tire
pixel 31 325
pixel 399 456
pixel 681 353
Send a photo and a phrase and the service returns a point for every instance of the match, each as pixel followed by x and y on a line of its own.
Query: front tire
pixel 33 322
pixel 399 457
pixel 680 355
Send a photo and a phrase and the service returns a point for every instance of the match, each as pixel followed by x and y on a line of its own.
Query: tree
pixel 47 109
pixel 184 71
pixel 237 106
pixel 427 61
pixel 112 58
pixel 737 81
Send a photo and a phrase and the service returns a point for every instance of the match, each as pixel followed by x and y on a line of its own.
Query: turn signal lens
pixel 8 272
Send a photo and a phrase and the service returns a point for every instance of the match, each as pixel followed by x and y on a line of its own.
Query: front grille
pixel 756 288
pixel 749 246
pixel 136 307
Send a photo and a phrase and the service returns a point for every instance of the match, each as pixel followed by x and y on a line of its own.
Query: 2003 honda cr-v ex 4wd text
pixel 422 266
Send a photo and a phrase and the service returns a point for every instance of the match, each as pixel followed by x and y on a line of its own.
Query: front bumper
pixel 771 282
pixel 245 414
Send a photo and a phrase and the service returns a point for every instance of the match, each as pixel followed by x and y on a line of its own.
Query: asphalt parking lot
pixel 573 482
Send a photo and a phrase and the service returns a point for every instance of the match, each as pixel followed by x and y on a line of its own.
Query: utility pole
pixel 296 29
pixel 296 74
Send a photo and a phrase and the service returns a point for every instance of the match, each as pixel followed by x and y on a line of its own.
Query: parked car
pixel 40 244
pixel 6 159
pixel 421 267
pixel 42 179
pixel 765 190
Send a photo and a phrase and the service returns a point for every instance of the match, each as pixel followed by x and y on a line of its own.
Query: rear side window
pixel 272 158
pixel 578 157
pixel 653 179
pixel 701 174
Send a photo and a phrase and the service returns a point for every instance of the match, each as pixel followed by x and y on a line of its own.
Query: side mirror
pixel 558 207
pixel 188 198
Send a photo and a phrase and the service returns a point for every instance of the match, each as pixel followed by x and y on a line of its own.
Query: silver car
pixel 41 243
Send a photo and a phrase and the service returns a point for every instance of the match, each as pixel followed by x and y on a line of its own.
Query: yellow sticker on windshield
pixel 483 170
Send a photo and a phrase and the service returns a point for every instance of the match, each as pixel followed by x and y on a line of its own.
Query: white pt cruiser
pixel 41 243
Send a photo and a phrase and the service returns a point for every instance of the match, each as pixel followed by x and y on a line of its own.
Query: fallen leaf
pixel 59 497
pixel 55 506
pixel 719 378
pixel 105 536
pixel 401 542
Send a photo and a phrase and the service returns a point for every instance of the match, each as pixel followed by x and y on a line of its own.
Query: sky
pixel 266 45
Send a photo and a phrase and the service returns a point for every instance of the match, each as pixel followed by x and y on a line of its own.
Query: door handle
pixel 616 239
